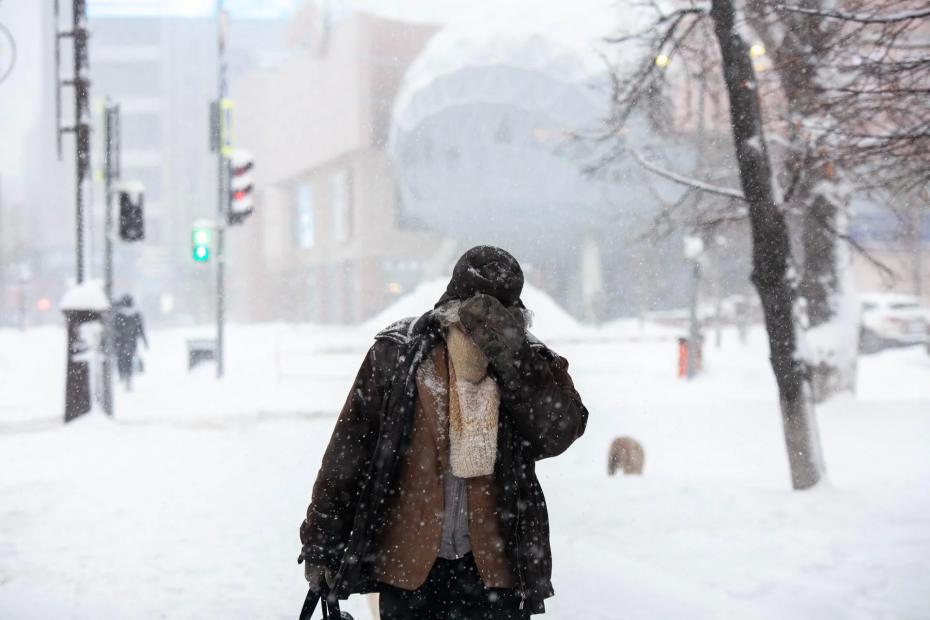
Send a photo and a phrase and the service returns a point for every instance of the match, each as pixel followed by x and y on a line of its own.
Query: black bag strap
pixel 306 612
pixel 330 605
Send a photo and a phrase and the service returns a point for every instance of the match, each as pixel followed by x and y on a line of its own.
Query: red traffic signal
pixel 241 187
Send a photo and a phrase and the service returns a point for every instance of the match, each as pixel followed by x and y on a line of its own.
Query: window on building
pixel 129 79
pixel 305 229
pixel 342 206
pixel 141 131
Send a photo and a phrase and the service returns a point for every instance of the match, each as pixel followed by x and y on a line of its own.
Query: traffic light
pixel 131 214
pixel 240 186
pixel 200 242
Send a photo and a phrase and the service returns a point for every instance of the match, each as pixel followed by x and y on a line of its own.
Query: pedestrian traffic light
pixel 200 242
pixel 240 186
pixel 131 215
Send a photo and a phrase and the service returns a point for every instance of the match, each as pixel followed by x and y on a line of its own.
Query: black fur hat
pixel 489 270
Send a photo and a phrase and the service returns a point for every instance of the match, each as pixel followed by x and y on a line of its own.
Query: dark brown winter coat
pixel 359 477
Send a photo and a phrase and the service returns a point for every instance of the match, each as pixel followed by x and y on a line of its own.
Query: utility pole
pixel 81 127
pixel 222 172
pixel 111 172
pixel 78 391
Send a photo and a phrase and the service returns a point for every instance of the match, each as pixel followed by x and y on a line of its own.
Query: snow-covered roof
pixel 494 122
pixel 86 296
pixel 563 41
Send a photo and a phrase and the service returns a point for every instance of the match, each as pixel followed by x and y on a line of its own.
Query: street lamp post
pixel 694 247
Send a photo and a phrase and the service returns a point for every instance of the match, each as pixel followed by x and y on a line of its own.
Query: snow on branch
pixel 861 18
pixel 686 181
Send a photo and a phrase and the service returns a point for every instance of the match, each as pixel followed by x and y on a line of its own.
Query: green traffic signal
pixel 200 241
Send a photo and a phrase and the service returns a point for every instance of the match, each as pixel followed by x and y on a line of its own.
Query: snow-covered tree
pixel 847 111
pixel 759 201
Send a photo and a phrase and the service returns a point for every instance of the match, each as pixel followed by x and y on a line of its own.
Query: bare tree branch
pixel 860 18
pixel 686 181
pixel 887 273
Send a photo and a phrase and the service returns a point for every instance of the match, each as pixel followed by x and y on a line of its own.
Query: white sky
pixel 421 10
pixel 190 8
pixel 20 91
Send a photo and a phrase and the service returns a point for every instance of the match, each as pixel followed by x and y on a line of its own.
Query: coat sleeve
pixel 547 411
pixel 325 531
pixel 141 327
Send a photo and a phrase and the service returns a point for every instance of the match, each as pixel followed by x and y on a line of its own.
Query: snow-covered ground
pixel 187 504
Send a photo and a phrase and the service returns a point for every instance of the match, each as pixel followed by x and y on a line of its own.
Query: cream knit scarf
pixel 474 400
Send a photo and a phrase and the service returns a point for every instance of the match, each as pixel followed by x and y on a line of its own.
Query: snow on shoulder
pixel 86 296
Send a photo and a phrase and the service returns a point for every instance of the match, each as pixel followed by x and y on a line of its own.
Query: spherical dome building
pixel 496 122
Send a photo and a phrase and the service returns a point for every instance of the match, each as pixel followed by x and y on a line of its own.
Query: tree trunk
pixel 771 251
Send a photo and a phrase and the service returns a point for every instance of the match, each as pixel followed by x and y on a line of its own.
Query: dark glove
pixel 315 574
pixel 499 332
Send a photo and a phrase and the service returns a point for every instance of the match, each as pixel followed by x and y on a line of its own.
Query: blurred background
pixel 388 137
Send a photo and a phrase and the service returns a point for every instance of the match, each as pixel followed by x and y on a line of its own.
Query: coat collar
pixel 407 330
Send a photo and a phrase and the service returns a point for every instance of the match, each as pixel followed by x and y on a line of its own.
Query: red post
pixel 682 358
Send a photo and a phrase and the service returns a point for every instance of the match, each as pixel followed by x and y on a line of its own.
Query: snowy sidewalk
pixel 187 505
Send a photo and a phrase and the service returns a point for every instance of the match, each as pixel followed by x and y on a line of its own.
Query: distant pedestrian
pixel 128 328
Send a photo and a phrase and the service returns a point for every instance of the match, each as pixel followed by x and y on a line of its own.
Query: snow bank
pixel 415 303
pixel 549 319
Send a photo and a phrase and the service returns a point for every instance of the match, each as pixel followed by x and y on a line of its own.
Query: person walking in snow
pixel 128 328
pixel 428 492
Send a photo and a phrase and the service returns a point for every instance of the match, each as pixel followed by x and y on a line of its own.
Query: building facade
pixel 327 242
pixel 162 71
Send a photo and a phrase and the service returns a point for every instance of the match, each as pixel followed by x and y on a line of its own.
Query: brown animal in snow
pixel 627 454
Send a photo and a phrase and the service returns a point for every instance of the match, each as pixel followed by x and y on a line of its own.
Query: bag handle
pixel 330 605
pixel 306 612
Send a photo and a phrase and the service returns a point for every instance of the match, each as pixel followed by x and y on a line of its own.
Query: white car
pixel 890 319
